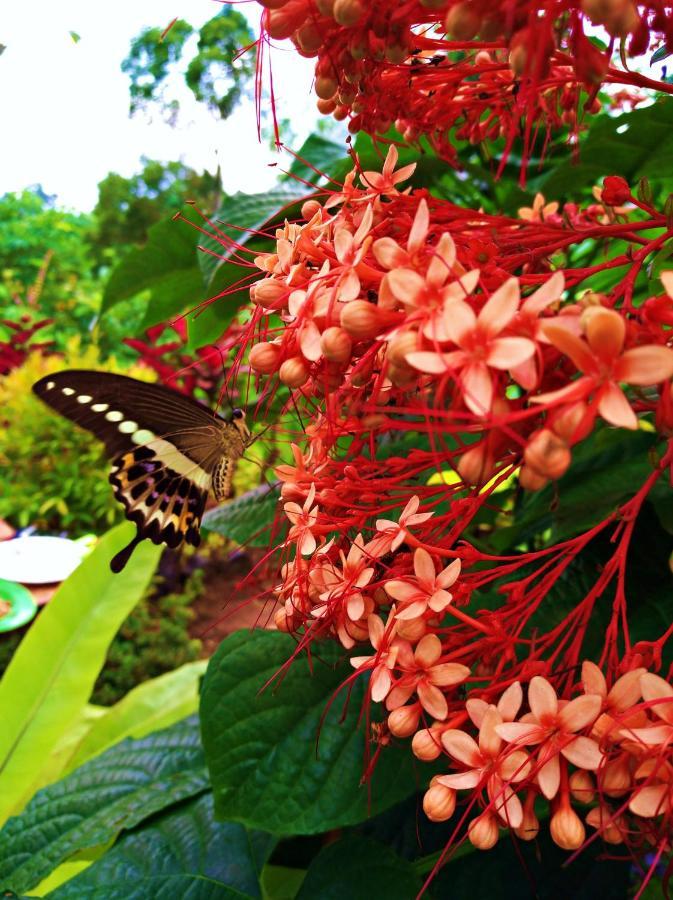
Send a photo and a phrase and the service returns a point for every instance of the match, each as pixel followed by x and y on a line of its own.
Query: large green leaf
pixel 112 792
pixel 360 869
pixel 166 267
pixel 181 854
pixel 247 519
pixel 278 759
pixel 51 676
pixel 633 145
pixel 150 706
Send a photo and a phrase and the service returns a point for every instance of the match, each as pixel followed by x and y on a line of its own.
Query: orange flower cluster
pixel 456 70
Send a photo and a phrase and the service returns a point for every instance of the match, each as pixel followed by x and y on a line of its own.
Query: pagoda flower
pixel 427 589
pixel 488 764
pixel 422 674
pixel 390 255
pixel 654 797
pixel 384 183
pixel 428 298
pixel 481 347
pixel 387 645
pixel 528 323
pixel 553 727
pixel 539 211
pixel 304 519
pixel 604 363
pixel 624 694
pixel 508 705
pixel 341 586
pixel 350 250
pixel 391 534
pixel 658 694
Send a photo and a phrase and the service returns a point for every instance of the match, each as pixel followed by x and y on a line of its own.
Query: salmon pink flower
pixel 388 252
pixel 487 765
pixel 385 182
pixel 659 694
pixel 539 211
pixel 350 250
pixel 423 675
pixel 554 727
pixel 340 587
pixel 481 347
pixel 387 648
pixel 624 694
pixel 427 590
pixel 303 519
pixel 396 532
pixel 604 364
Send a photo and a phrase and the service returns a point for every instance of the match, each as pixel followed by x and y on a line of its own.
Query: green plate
pixel 22 606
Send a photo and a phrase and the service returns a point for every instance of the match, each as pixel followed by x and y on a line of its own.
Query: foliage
pixel 216 74
pixel 152 640
pixel 45 689
pixel 54 475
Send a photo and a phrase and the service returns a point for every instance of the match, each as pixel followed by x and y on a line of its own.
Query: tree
pixel 216 74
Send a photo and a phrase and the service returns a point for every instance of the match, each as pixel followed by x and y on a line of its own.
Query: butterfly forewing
pixel 165 449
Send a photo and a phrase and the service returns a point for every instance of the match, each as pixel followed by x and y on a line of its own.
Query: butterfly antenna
pixel 256 437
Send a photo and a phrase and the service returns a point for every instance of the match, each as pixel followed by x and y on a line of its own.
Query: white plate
pixel 40 559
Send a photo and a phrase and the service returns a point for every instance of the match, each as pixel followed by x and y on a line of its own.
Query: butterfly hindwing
pixel 167 451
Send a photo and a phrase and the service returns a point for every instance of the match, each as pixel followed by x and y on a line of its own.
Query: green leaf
pixel 51 676
pixel 237 220
pixel 660 54
pixel 89 807
pixel 360 869
pixel 247 519
pixel 281 882
pixel 604 472
pixel 166 267
pixel 182 854
pixel 323 154
pixel 278 758
pixel 633 145
pixel 152 705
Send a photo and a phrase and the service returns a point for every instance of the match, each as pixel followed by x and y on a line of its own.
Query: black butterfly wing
pixel 165 448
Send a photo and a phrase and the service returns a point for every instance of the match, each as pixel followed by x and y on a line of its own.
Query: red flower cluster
pixel 402 314
pixel 455 70
pixel 20 344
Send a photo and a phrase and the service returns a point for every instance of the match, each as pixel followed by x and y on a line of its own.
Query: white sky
pixel 64 106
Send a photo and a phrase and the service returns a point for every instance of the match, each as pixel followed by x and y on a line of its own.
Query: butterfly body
pixel 168 452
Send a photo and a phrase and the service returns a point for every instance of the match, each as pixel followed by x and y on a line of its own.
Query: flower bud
pixel 347 12
pixel 363 320
pixel 403 721
pixel 265 358
pixel 402 343
pixel 281 23
pixel 530 480
pixel 426 745
pixel 411 629
pixel 325 87
pixel 567 830
pixel 582 786
pixel 548 454
pixel 573 422
pixel 476 465
pixel 483 831
pixel 615 777
pixel 530 826
pixel 272 4
pixel 326 7
pixel 293 372
pixel 612 828
pixel 269 293
pixel 336 345
pixel 326 107
pixel 439 802
pixel 462 22
pixel 616 191
pixel 281 621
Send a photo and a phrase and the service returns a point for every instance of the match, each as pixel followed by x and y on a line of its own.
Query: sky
pixel 64 105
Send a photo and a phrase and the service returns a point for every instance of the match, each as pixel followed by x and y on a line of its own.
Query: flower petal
pixel 549 777
pixel 655 688
pixel 462 747
pixel 477 386
pixel 500 308
pixel 424 567
pixel 572 346
pixel 580 712
pixel 615 408
pixel 645 365
pixel 547 293
pixel 651 800
pixel 508 352
pixel 432 700
pixel 406 284
pixel 448 674
pixel 542 698
pixel 583 753
pixel 380 684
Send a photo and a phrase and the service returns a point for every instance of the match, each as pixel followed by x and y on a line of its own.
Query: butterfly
pixel 168 452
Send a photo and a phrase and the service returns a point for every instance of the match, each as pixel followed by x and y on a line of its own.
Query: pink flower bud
pixel 483 831
pixel 426 745
pixel 293 372
pixel 439 802
pixel 265 358
pixel 336 344
pixel 567 830
pixel 547 454
pixel 403 722
pixel 462 22
pixel 582 787
pixel 347 12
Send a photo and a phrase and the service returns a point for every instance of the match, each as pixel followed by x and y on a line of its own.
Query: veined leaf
pixel 247 519
pixel 89 807
pixel 51 676
pixel 278 758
